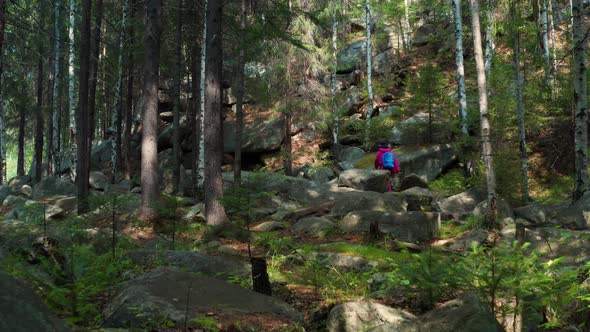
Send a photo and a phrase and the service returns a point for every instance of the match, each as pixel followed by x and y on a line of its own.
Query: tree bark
pixel 83 139
pixel 39 124
pixel 150 187
pixel 20 165
pixel 490 45
pixel 460 75
pixel 3 178
pixel 581 182
pixel 240 97
pixel 118 114
pixel 484 115
pixel 53 142
pixel 201 117
pixel 407 29
pixel 335 111
pixel 519 103
pixel 129 99
pixel 72 93
pixel 198 25
pixel 94 56
pixel 177 151
pixel 545 41
pixel 215 212
pixel 369 69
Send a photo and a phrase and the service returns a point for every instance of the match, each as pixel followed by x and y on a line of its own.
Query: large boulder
pixel 576 216
pixel 5 191
pixel 372 201
pixel 533 213
pixel 416 130
pixel 365 179
pixel 193 261
pixel 98 180
pixel 427 163
pixel 413 226
pixel 173 294
pixel 351 154
pixel 102 151
pixel 419 199
pixel 18 181
pixel 22 310
pixel 460 204
pixel 361 316
pixel 465 314
pixel 424 34
pixel 52 186
pixel 313 226
pixel 341 261
pixel 503 209
pixel 411 181
pixel 351 56
pixel 273 132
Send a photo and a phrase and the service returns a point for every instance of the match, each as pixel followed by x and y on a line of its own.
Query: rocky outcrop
pixel 313 226
pixel 172 294
pixel 273 132
pixel 52 186
pixel 428 163
pixel 460 204
pixel 365 179
pixel 346 202
pixel 413 226
pixel 361 316
pixel 22 310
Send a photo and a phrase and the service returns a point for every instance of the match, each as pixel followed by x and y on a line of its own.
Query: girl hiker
pixel 385 159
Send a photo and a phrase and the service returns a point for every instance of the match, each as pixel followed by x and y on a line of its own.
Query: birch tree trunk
pixel 129 99
pixel 484 115
pixel 369 70
pixel 240 97
pixel 20 164
pixel 83 150
pixel 201 119
pixel 118 114
pixel 460 75
pixel 490 45
pixel 177 152
pixel 519 103
pixel 150 186
pixel 198 23
pixel 335 111
pixel 213 184
pixel 545 38
pixel 94 50
pixel 581 182
pixel 72 92
pixel 407 30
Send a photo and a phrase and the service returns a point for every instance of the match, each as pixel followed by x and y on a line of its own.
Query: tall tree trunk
pixel 3 178
pixel 20 165
pixel 214 210
pixel 72 92
pixel 118 114
pixel 490 45
pixel 83 138
pixel 288 144
pixel 545 41
pixel 369 69
pixel 335 111
pixel 198 26
pixel 460 75
pixel 150 187
pixel 53 143
pixel 129 99
pixel 240 97
pixel 39 124
pixel 581 182
pixel 484 115
pixel 94 56
pixel 519 103
pixel 202 86
pixel 177 151
pixel 407 29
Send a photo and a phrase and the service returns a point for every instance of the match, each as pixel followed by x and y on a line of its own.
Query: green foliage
pixel 242 197
pixel 207 322
pixel 451 229
pixel 451 183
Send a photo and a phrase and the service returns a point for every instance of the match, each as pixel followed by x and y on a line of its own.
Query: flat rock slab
pixel 171 294
pixel 365 179
pixel 347 202
pixel 412 226
pixel 361 316
pixel 313 226
pixel 193 261
pixel 22 310
pixel 460 204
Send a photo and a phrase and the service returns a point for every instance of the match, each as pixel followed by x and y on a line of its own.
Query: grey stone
pixel 102 151
pixel 22 310
pixel 345 165
pixel 351 56
pixel 163 292
pixel 411 181
pixel 196 212
pixel 313 226
pixel 18 181
pixel 319 174
pixel 362 316
pixel 426 162
pixel 5 191
pixel 365 179
pixel 460 204
pixel 465 242
pixel 192 261
pixel 419 199
pixel 424 34
pixel 13 200
pixel 98 180
pixel 269 226
pixel 465 314
pixel 358 200
pixel 503 209
pixel 67 203
pixel 343 262
pixel 273 132
pixel 576 216
pixel 410 226
pixel 351 154
pixel 534 213
pixel 51 186
pixel 26 191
